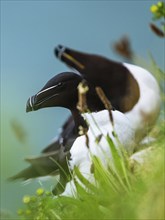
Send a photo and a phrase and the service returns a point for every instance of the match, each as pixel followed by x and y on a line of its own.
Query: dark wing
pixel 65 138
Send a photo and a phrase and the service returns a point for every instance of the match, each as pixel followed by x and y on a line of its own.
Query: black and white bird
pixel 61 91
pixel 132 90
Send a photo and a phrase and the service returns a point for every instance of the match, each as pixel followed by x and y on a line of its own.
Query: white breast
pixel 99 123
pixel 81 154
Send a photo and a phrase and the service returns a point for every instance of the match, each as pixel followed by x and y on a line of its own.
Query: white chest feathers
pixel 99 127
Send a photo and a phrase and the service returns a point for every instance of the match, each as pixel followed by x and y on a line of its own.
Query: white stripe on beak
pixel 52 87
pixel 30 101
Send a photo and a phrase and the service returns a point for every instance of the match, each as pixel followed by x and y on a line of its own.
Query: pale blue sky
pixel 29 32
pixel 31 29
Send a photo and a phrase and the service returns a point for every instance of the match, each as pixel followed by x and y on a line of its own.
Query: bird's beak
pixel 30 105
pixel 44 98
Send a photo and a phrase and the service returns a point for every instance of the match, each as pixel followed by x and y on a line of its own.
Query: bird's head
pixel 60 91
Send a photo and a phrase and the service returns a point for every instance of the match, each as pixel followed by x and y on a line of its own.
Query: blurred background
pixel 29 32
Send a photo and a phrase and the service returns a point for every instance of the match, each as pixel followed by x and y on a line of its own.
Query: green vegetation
pixel 127 190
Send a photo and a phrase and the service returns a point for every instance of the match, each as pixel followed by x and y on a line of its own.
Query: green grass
pixel 125 190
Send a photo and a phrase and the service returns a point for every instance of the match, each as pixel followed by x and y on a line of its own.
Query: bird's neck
pixel 78 119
